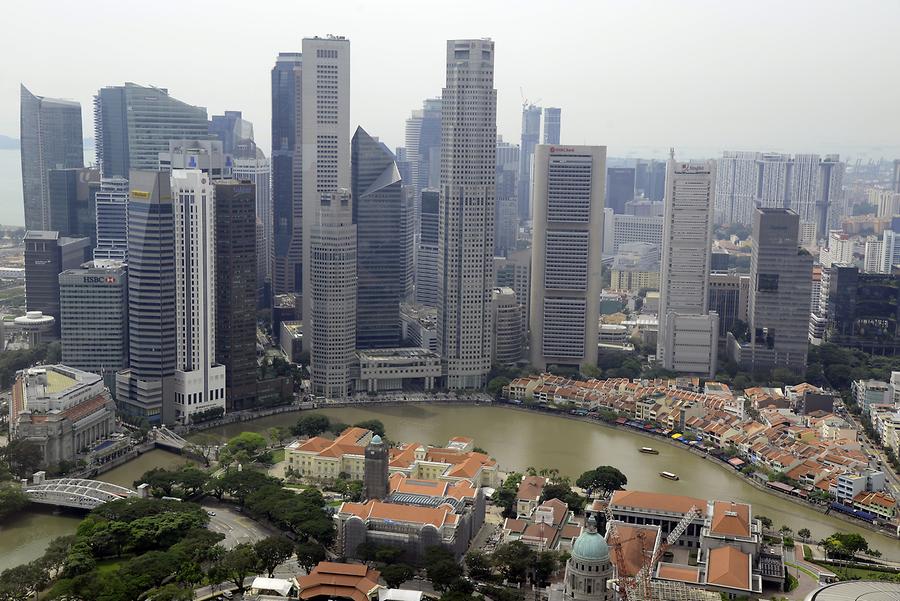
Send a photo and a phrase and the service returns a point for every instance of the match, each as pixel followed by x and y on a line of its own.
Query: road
pixel 236 527
pixel 880 462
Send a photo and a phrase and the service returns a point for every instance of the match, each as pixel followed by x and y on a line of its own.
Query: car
pixel 211 513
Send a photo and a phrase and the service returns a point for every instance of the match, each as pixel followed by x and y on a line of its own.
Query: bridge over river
pixel 74 492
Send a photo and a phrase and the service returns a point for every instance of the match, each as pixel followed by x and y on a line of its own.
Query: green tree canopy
pixel 272 551
pixel 310 425
pixel 396 574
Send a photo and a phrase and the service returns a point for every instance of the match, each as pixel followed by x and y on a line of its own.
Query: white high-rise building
pixel 873 254
pixel 258 171
pixel 890 251
pixel 687 331
pixel 568 193
pixel 322 164
pixel 332 316
pixel 111 209
pixel 199 383
pixel 466 229
pixel 736 176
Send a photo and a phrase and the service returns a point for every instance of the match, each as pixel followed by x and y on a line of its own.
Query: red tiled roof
pixel 728 567
pixel 657 501
pixel 339 580
pixel 730 519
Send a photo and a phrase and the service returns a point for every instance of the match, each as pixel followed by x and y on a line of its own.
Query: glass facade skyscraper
pixel 50 131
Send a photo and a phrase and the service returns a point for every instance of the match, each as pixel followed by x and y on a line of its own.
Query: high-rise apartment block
pixel 286 238
pixel 94 317
pixel 50 132
pixel 566 254
pixel 466 242
pixel 331 321
pixel 133 124
pixel 47 254
pixel 111 205
pixel 322 164
pixel 531 135
pixel 552 124
pixel 427 252
pixel 688 332
pixel 780 288
pixel 199 382
pixel 151 298
pixel 380 212
pixel 236 285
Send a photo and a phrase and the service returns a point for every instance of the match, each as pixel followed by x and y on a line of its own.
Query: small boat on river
pixel 649 450
pixel 669 475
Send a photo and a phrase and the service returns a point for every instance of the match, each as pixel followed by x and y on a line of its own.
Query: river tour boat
pixel 649 450
pixel 669 475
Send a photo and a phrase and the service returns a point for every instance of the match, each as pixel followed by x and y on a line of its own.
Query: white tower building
pixel 568 192
pixel 111 210
pixel 322 163
pixel 332 316
pixel 199 383
pixel 466 230
pixel 258 171
pixel 688 333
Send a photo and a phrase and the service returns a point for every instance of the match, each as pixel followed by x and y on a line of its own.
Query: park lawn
pixel 845 573
pixel 278 456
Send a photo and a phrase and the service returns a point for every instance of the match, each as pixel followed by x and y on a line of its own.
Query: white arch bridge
pixel 75 492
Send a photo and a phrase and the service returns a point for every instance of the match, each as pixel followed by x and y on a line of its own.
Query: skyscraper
pixel 111 204
pixel 151 298
pixel 427 252
pixel 323 131
pixel 235 242
pixel 423 145
pixel 566 254
pixel 380 213
pixel 235 133
pixel 47 254
pixel 531 135
pixel 780 288
pixel 133 124
pixel 285 216
pixel 50 132
pixel 72 202
pixel 620 188
pixel 552 117
pixel 199 382
pixel 736 178
pixel 506 220
pixel 257 171
pixel 687 331
pixel 94 317
pixel 466 236
pixel 332 314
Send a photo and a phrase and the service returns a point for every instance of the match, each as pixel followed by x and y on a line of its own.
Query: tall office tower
pixel 322 163
pixel 514 271
pixel 506 218
pixel 895 180
pixel 423 145
pixel 111 204
pixel 773 183
pixel 729 296
pixel 650 179
pixel 380 214
pixel 890 249
pixel 151 298
pixel 466 237
pixel 72 196
pixel 93 304
pixel 285 216
pixel 133 124
pixel 332 315
pixel 531 135
pixel 566 254
pixel 508 338
pixel 736 176
pixel 235 244
pixel 780 289
pixel 816 190
pixel 235 133
pixel 619 188
pixel 687 331
pixel 50 134
pixel 199 383
pixel 626 229
pixel 552 117
pixel 403 164
pixel 257 171
pixel 47 254
pixel 427 251
pixel 872 254
pixel 830 203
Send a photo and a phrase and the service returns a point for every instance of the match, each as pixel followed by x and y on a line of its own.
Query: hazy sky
pixel 793 75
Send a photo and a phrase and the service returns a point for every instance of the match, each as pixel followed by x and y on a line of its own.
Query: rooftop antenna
pixel 672 152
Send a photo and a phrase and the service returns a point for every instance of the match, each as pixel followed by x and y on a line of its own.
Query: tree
pixel 764 520
pixel 505 498
pixel 495 386
pixel 246 446
pixel 310 425
pixel 170 592
pixel 591 371
pixel 545 564
pixel 160 480
pixel 273 551
pixel 845 544
pixel 605 477
pixel 190 479
pixel 12 500
pixel 23 581
pixel 804 533
pixel 240 484
pixel 374 425
pixel 54 556
pixel 397 574
pixel 478 564
pixel 309 554
pixel 239 563
pixel 23 457
pixel 514 560
pixel 441 567
pixel 279 434
pixel 388 555
pixel 786 530
pixel 148 570
pixel 562 491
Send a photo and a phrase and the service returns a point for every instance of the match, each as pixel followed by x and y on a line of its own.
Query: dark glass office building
pixel 285 78
pixel 427 256
pixel 864 310
pixel 73 194
pixel 380 213
pixel 619 188
pixel 47 254
pixel 236 290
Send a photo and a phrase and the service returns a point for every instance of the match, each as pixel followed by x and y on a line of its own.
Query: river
pixel 517 439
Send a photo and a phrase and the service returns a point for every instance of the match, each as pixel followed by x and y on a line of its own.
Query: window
pixel 767 282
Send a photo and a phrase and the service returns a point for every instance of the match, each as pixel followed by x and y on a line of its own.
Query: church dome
pixel 590 545
pixel 376 439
